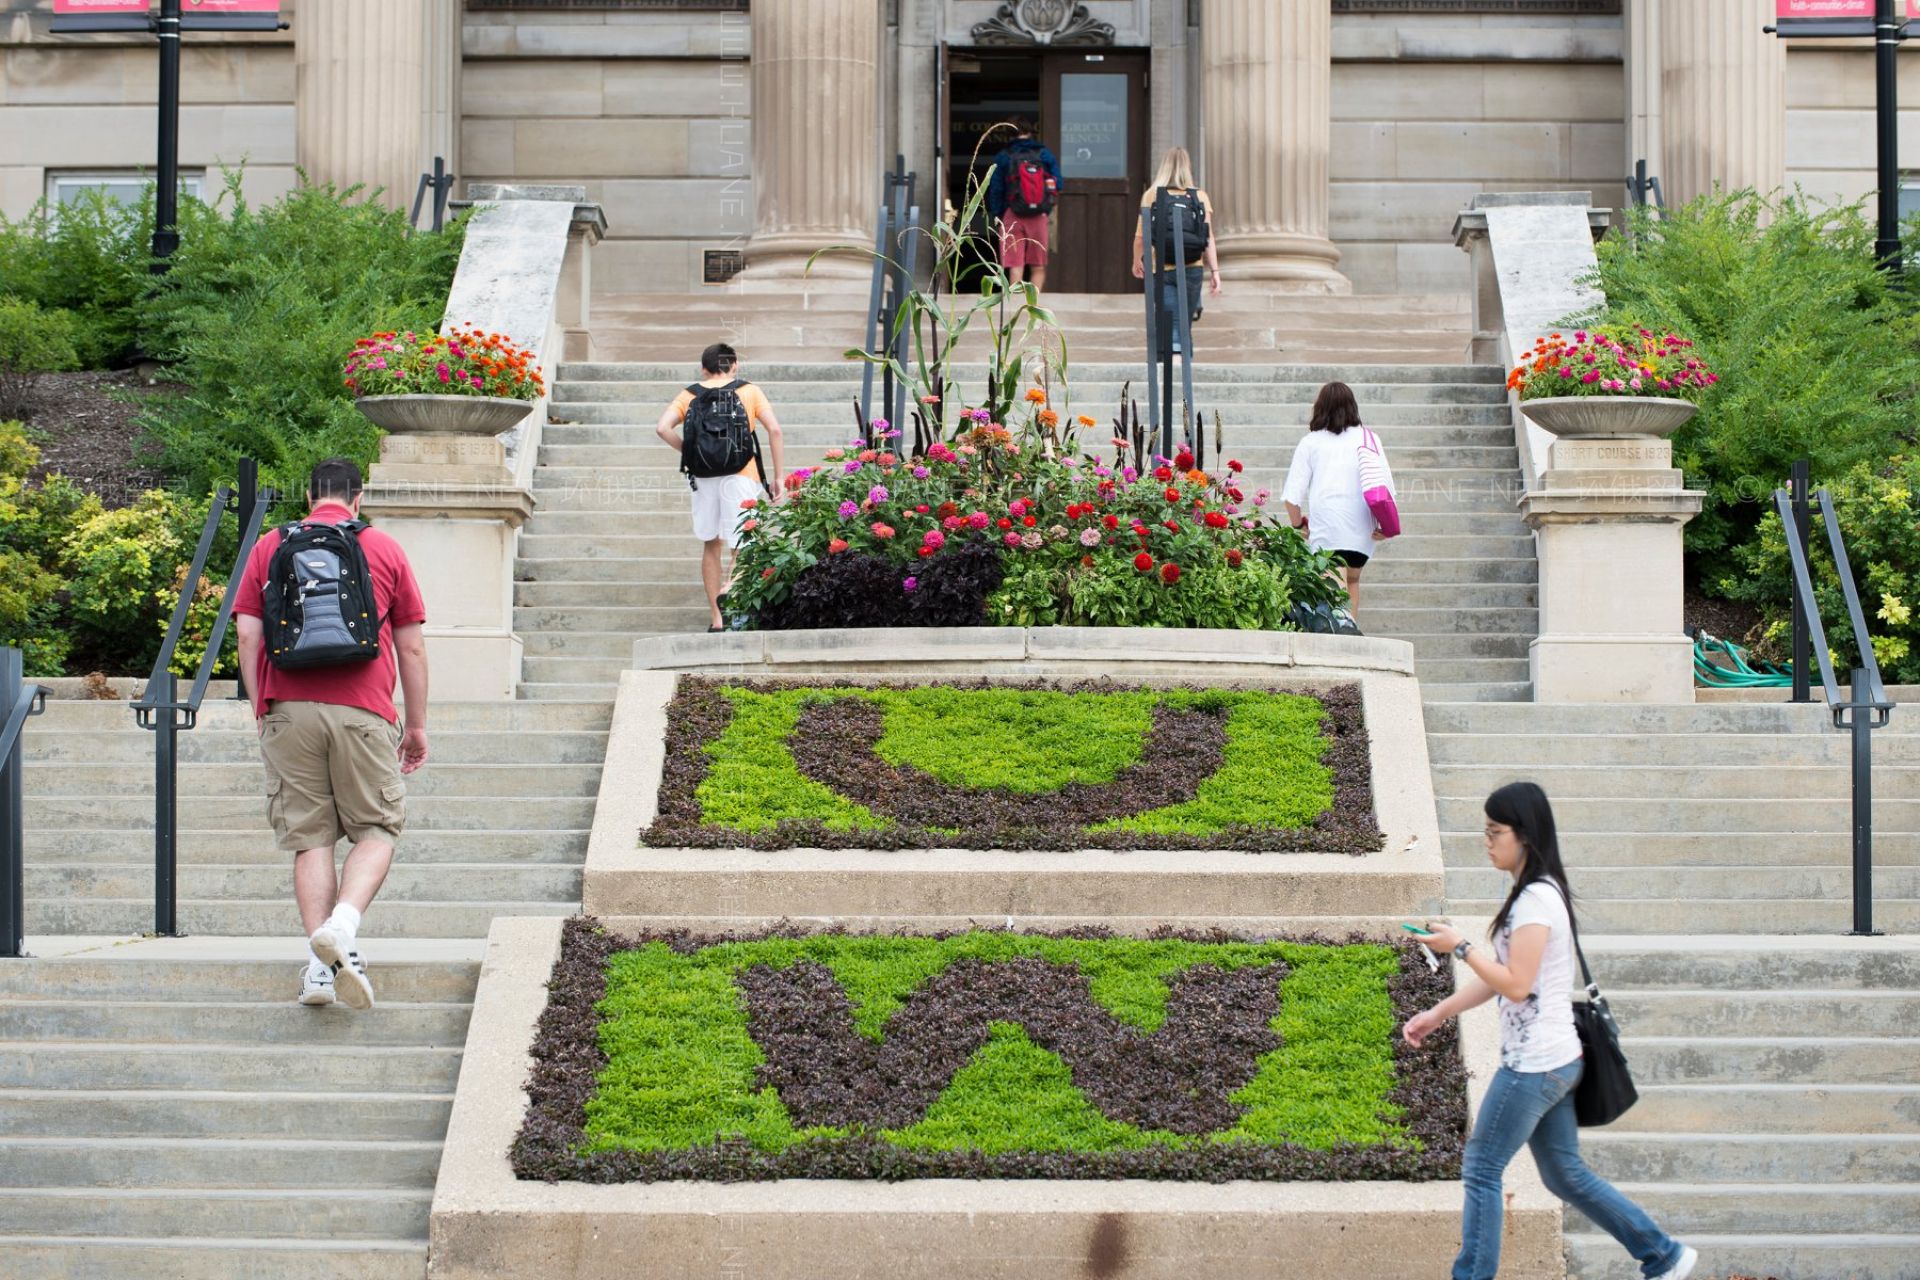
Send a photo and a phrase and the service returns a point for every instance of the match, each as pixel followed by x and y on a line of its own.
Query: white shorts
pixel 716 507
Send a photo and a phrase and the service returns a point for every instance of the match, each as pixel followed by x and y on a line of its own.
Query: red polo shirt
pixel 355 684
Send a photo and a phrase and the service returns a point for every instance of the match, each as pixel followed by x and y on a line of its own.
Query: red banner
pixel 231 6
pixel 1859 10
pixel 99 6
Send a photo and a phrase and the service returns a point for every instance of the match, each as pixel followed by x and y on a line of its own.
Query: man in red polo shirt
pixel 333 746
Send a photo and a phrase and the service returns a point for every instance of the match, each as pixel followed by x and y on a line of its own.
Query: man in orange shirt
pixel 711 424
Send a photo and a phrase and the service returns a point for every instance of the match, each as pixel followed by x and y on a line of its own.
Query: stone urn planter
pixel 1609 417
pixel 430 415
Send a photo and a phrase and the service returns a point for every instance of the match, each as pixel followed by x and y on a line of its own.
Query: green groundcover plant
pixel 986 1054
pixel 1816 348
pixel 774 765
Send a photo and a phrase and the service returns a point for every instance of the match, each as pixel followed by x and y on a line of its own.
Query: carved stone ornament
pixel 1059 22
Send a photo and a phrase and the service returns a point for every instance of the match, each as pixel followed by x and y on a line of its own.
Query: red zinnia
pixel 1028 521
pixel 1217 521
pixel 1003 523
pixel 1233 557
pixel 1170 573
pixel 1111 521
pixel 1163 474
pixel 1172 526
pixel 1143 562
pixel 1173 495
pixel 1234 465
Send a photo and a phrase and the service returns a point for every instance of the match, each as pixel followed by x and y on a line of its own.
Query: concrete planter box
pixel 486 1223
pixel 721 889
pixel 427 415
pixel 1609 417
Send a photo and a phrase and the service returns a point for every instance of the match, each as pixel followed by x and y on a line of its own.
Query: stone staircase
pixel 609 553
pixel 166 1109
pixel 1779 1062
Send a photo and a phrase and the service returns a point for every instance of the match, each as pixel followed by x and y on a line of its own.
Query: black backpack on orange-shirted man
pixel 317 605
pixel 716 435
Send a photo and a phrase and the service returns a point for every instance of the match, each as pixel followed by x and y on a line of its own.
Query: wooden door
pixel 1094 114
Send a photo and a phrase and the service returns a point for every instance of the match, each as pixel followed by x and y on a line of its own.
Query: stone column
pixel 360 96
pixel 1723 98
pixel 440 101
pixel 816 103
pixel 1268 133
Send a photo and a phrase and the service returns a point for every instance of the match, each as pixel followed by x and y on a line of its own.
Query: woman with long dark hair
pixel 1530 968
pixel 1323 494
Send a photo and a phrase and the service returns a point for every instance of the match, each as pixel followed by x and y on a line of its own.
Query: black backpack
pixel 1028 190
pixel 1194 232
pixel 716 436
pixel 318 603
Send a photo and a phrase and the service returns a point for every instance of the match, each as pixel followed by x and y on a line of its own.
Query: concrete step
pixel 1608 751
pixel 1719 916
pixel 1861 1257
pixel 1353 348
pixel 248 812
pixel 519 847
pixel 243 778
pixel 77 1064
pixel 1523 724
pixel 188 1022
pixel 192 969
pixel 1251 420
pixel 1640 813
pixel 1503 691
pixel 147 1113
pixel 1740 1061
pixel 436 882
pixel 1440 673
pixel 1706 1012
pixel 1756 962
pixel 237 1163
pixel 966 372
pixel 541 691
pixel 1690 1210
pixel 838 392
pixel 1704 780
pixel 125 744
pixel 1752 851
pixel 1837 1159
pixel 1602 883
pixel 446 717
pixel 1779 1108
pixel 103 1257
pixel 159 1213
pixel 276 917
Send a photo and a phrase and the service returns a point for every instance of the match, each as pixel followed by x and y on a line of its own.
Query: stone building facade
pixel 1337 137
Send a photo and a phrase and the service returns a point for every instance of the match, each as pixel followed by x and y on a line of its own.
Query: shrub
pixel 1818 352
pixel 33 340
pixel 90 257
pixel 1878 506
pixel 254 316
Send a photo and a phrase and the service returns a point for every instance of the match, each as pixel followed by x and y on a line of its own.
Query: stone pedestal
pixel 1609 514
pixel 454 507
pixel 1268 134
pixel 1723 93
pixel 816 165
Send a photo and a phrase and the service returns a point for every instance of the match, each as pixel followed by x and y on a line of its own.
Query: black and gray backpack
pixel 318 603
pixel 716 436
pixel 1192 218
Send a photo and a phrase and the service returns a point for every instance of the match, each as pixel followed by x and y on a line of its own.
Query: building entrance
pixel 1090 108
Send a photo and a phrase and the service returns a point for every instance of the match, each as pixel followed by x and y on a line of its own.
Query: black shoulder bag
pixel 1605 1092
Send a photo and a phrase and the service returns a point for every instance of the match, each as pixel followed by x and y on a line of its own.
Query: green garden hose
pixel 1732 670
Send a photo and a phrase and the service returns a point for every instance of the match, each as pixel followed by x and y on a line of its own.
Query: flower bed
pixel 782 764
pixel 986 1055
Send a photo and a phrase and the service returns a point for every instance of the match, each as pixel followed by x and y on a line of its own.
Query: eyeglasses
pixel 1492 830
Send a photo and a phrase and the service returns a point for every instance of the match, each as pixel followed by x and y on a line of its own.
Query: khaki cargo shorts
pixel 332 771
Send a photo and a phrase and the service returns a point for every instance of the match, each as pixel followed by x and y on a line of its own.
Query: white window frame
pixel 1909 194
pixel 192 181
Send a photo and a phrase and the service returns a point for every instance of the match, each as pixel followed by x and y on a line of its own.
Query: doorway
pixel 1090 108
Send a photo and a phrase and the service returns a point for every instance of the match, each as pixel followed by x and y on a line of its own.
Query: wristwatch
pixel 1460 952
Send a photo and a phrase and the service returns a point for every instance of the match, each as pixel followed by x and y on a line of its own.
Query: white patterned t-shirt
pixel 1536 1034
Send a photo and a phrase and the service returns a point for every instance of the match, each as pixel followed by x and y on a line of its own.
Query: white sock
pixel 314 960
pixel 345 920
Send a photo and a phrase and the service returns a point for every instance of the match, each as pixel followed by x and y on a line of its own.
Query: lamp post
pixel 166 197
pixel 1887 34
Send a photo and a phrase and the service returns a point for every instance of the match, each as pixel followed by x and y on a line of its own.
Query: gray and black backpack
pixel 318 603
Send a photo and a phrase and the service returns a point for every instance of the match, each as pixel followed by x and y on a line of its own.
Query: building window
pixel 124 186
pixel 1909 196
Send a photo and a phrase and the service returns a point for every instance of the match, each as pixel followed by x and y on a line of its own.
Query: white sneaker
pixel 1689 1259
pixel 349 971
pixel 316 984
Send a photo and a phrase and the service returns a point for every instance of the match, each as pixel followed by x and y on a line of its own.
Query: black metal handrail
pixel 18 700
pixel 896 254
pixel 1159 367
pixel 162 709
pixel 1866 706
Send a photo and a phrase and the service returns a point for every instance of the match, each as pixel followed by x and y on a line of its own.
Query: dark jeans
pixel 1169 294
pixel 1536 1108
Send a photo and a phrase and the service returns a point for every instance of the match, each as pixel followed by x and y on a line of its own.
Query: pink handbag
pixel 1374 485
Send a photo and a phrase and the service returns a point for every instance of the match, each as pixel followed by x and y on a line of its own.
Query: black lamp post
pixel 166 197
pixel 1887 35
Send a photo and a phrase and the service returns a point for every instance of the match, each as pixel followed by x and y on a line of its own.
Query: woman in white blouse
pixel 1323 492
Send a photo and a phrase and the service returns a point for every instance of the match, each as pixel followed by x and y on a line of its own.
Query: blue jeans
pixel 1536 1107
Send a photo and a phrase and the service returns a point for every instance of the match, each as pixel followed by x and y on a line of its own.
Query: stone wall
pixel 649 111
pixel 1429 111
pixel 86 104
pixel 1830 119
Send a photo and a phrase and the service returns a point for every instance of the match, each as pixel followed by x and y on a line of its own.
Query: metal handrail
pixel 1866 706
pixel 18 700
pixel 161 709
pixel 886 296
pixel 1159 372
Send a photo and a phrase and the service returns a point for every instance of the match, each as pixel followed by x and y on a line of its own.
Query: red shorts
pixel 1023 240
